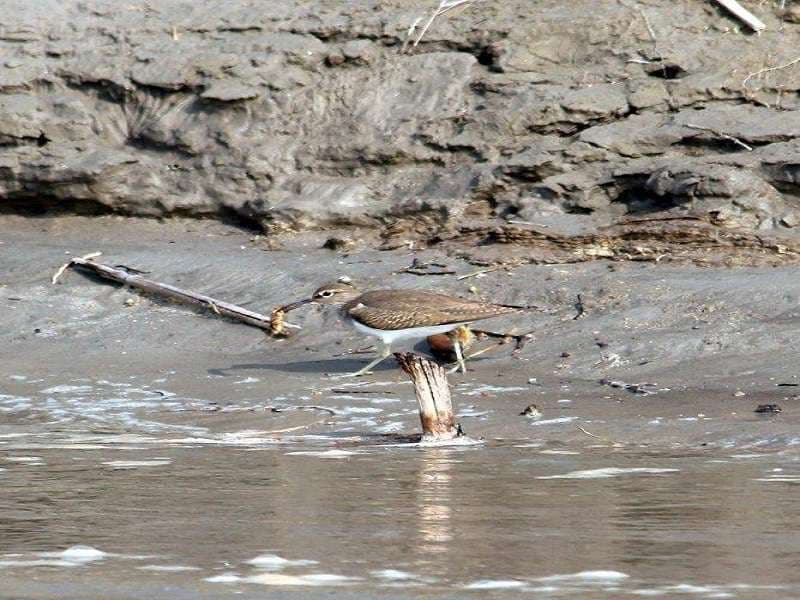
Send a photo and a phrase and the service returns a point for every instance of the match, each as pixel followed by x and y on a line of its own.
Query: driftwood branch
pixel 219 307
pixel 433 396
pixel 741 13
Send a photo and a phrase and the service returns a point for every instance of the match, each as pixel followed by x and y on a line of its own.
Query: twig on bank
pixel 770 69
pixel 649 27
pixel 422 268
pixel 482 272
pixel 579 307
pixel 412 28
pixel 733 139
pixel 744 15
pixel 219 307
pixel 444 7
pixel 598 437
pixel 304 407
pixel 67 265
pixel 591 434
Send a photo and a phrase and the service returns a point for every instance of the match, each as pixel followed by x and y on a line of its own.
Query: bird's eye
pixel 326 294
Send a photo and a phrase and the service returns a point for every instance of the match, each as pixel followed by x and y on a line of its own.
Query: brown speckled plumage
pixel 404 309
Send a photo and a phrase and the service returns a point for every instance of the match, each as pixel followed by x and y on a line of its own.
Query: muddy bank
pixel 690 340
pixel 304 115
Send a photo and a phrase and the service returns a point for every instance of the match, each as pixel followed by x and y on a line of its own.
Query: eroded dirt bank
pixel 294 116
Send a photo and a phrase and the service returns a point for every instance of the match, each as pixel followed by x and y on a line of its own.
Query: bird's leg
pixel 459 358
pixel 385 353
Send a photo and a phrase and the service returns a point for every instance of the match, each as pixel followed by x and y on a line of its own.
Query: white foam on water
pixel 393 575
pixel 384 400
pixel 312 580
pixel 133 464
pixel 359 384
pixel 67 389
pixel 168 568
pixel 609 472
pixel 495 584
pixel 80 553
pixel 37 563
pixel 558 421
pixel 472 412
pixel 558 452
pixel 359 410
pixel 24 459
pixel 12 404
pixel 224 578
pixel 464 440
pixel 333 453
pixel 275 562
pixel 393 427
pixel 63 446
pixel 18 377
pixel 74 556
pixel 593 577
pixel 247 380
pixel 708 591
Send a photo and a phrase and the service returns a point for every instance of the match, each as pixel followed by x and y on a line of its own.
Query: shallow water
pixel 130 487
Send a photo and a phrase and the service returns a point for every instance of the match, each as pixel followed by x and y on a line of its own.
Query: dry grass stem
pixel 735 140
pixel 67 265
pixel 770 69
pixel 444 7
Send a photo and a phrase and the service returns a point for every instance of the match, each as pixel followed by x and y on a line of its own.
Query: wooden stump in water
pixel 433 396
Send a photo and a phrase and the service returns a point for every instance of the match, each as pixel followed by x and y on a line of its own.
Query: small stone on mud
pixel 531 411
pixel 339 244
pixel 768 409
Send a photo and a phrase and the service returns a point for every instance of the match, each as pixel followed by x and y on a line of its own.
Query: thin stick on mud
pixel 433 396
pixel 444 7
pixel 731 138
pixel 770 69
pixel 219 307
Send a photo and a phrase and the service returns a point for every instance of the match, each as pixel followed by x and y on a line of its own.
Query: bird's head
pixel 334 293
pixel 337 292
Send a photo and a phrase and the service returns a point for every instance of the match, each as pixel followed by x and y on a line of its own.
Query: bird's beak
pixel 294 305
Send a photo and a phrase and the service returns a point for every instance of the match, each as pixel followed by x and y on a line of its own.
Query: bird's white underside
pixel 395 335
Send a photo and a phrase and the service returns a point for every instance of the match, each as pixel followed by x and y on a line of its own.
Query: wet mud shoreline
pixel 645 332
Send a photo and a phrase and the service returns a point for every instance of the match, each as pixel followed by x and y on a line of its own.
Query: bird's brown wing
pixel 402 309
